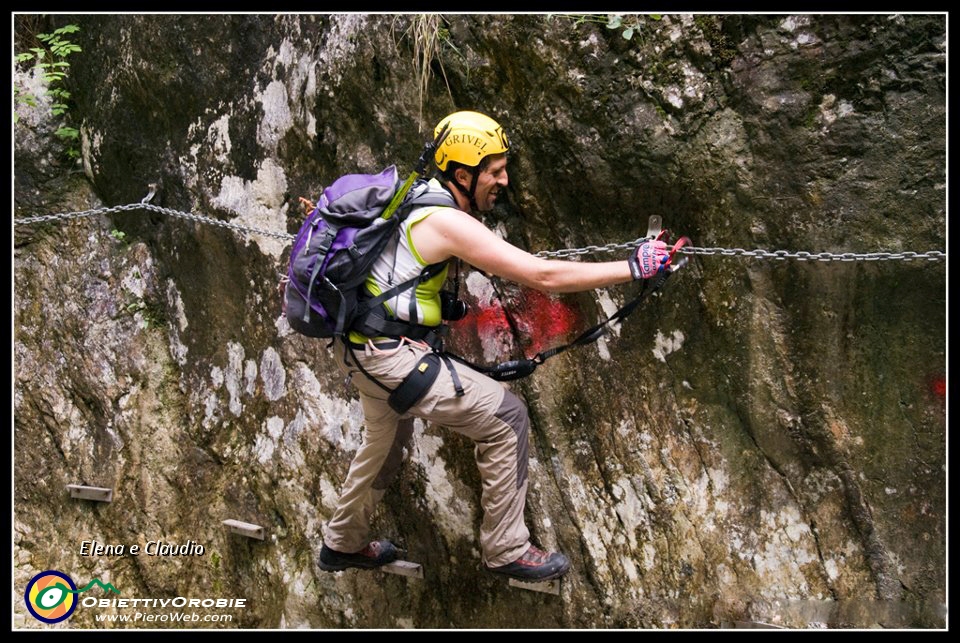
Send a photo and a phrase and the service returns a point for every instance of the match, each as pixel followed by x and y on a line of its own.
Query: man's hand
pixel 650 258
pixel 307 205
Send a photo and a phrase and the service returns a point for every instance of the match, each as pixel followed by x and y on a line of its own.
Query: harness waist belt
pixel 393 343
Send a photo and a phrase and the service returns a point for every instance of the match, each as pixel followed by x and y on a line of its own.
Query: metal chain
pixel 154 208
pixel 931 255
pixel 586 250
pixel 801 255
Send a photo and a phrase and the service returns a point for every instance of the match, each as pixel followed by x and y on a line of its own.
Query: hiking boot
pixel 535 566
pixel 376 554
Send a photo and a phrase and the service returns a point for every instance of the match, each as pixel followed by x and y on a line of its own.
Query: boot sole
pixel 333 568
pixel 339 567
pixel 539 579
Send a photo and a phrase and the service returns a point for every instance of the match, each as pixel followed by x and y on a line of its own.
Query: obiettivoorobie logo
pixel 51 596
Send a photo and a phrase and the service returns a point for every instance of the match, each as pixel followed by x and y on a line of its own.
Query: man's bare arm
pixel 452 233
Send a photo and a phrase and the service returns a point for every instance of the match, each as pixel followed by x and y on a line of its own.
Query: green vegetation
pixel 630 24
pixel 152 313
pixel 724 50
pixel 49 58
pixel 429 36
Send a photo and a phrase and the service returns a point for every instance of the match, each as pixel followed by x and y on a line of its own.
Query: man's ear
pixel 463 177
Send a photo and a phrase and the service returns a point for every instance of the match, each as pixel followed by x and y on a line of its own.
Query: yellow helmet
pixel 472 137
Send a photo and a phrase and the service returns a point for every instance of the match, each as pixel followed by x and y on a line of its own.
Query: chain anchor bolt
pixel 152 193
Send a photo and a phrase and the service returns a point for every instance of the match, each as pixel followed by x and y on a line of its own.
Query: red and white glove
pixel 650 259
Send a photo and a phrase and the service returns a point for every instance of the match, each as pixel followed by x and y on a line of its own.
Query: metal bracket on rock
pixel 152 193
pixel 404 568
pixel 654 226
pixel 83 492
pixel 547 587
pixel 245 529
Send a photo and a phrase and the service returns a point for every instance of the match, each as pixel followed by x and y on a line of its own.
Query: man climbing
pixel 472 167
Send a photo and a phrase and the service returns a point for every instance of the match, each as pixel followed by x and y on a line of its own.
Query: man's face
pixel 492 180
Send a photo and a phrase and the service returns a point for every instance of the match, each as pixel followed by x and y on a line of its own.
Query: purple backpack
pixel 336 246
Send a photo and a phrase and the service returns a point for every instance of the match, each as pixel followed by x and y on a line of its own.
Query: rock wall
pixel 762 442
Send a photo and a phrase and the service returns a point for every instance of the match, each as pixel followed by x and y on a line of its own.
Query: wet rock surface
pixel 764 441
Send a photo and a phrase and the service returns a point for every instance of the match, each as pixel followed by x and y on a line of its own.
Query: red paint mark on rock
pixel 939 387
pixel 546 320
pixel 542 321
pixel 484 331
pixel 491 319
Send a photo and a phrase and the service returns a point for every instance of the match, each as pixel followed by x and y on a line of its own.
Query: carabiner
pixel 682 241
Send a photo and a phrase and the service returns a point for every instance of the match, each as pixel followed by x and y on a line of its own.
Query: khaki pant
pixel 493 417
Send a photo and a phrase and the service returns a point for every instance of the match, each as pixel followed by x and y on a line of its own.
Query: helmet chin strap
pixel 471 193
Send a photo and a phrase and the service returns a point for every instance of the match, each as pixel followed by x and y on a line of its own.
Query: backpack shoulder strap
pixel 423 194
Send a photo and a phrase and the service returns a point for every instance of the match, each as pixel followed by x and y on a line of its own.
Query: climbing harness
pixel 415 385
pixel 419 380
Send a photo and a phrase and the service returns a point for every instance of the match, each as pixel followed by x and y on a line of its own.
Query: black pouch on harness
pixel 415 385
